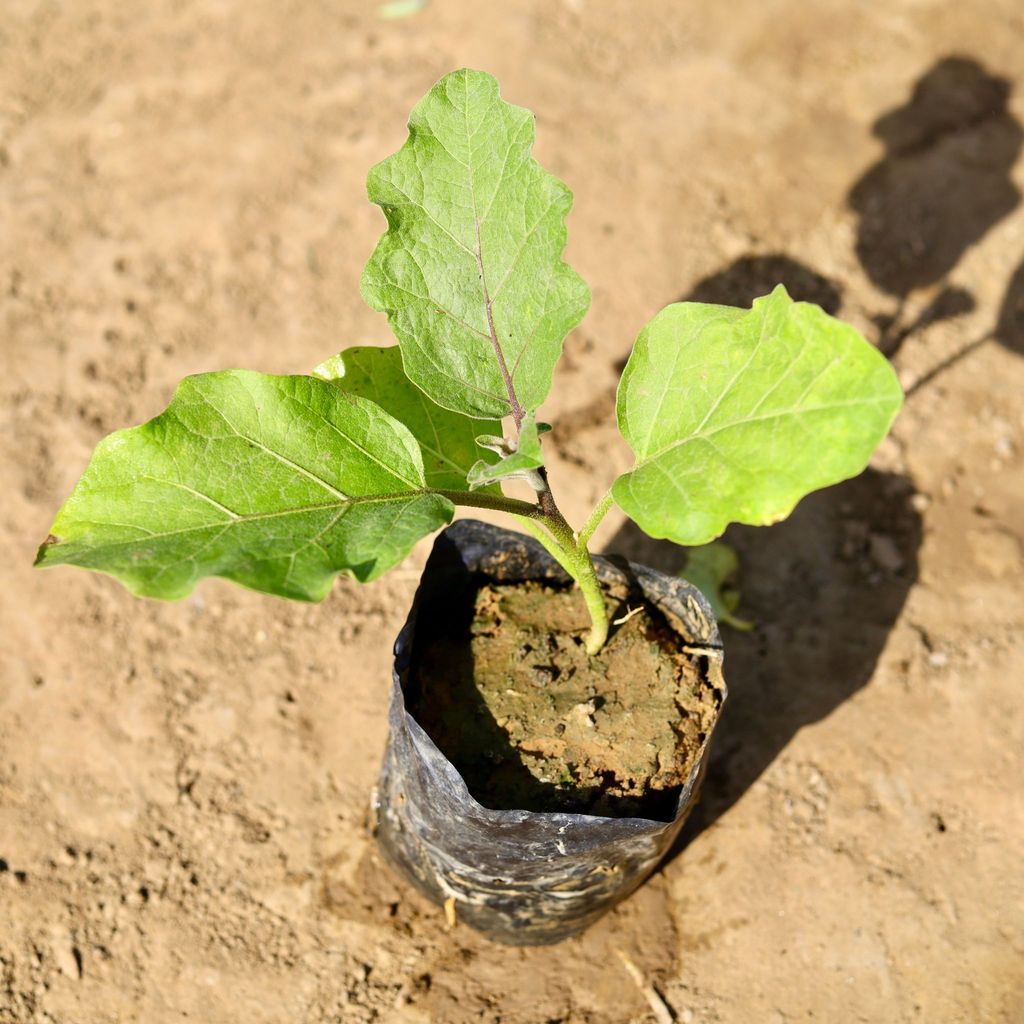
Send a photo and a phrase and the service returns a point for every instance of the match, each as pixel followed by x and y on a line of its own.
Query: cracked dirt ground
pixel 183 787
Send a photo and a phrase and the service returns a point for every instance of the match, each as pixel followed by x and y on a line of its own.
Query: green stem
pixel 551 529
pixel 592 523
pixel 552 547
pixel 576 561
pixel 591 588
pixel 480 499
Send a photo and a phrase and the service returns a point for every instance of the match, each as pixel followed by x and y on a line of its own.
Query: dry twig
pixel 662 1014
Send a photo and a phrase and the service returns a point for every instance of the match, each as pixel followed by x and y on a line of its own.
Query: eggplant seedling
pixel 280 483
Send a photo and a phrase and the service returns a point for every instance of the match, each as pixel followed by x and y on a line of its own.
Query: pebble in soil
pixel 532 722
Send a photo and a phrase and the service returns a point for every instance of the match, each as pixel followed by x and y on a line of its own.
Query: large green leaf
pixel 470 271
pixel 734 415
pixel 447 439
pixel 277 483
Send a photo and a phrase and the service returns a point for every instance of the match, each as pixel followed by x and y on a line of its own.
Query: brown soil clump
pixel 532 722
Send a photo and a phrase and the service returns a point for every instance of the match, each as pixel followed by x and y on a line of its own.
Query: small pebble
pixel 585 712
pixel 542 675
pixel 884 552
pixel 938 659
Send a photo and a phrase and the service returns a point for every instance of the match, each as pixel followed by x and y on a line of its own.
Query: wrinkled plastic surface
pixel 520 877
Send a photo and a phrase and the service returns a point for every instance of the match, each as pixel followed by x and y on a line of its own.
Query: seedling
pixel 280 483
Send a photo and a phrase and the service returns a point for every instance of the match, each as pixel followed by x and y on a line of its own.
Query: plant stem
pixel 591 589
pixel 548 525
pixel 576 561
pixel 551 546
pixel 480 499
pixel 601 510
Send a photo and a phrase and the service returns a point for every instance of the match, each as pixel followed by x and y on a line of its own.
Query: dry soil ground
pixel 183 788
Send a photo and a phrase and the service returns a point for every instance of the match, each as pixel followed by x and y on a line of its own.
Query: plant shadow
pixel 750 277
pixel 1009 330
pixel 825 588
pixel 944 181
pixel 747 278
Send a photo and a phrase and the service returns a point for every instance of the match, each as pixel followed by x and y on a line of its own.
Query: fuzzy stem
pixel 551 546
pixel 591 588
pixel 576 561
pixel 559 541
pixel 497 502
pixel 600 511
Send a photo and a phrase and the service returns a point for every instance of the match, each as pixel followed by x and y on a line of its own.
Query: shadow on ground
pixel 943 183
pixel 750 277
pixel 1010 327
pixel 738 284
pixel 1009 332
pixel 825 587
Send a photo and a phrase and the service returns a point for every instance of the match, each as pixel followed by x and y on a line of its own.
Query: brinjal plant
pixel 281 483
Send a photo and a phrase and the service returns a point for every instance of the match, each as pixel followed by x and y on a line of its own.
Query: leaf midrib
pixel 499 355
pixel 241 519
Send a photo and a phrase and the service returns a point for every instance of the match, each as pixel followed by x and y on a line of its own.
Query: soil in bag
pixel 502 684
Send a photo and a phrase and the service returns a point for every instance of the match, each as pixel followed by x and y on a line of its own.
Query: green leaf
pixel 711 569
pixel 277 483
pixel 520 459
pixel 734 415
pixel 447 439
pixel 470 271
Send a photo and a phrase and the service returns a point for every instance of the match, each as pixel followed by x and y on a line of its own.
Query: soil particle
pixel 532 722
